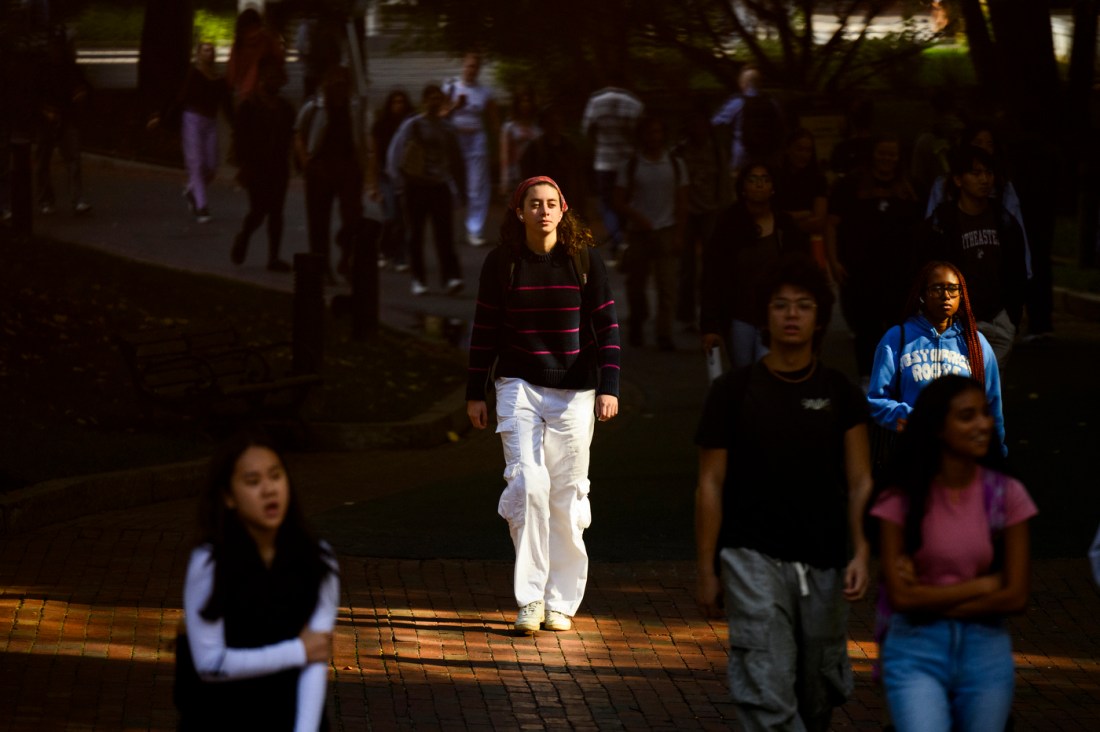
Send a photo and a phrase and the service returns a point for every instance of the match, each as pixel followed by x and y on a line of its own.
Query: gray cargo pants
pixel 788 662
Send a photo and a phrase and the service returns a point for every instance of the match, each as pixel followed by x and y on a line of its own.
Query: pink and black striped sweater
pixel 546 329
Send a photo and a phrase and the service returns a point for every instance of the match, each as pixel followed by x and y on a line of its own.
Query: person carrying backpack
pixel 955 558
pixel 424 162
pixel 755 120
pixel 546 340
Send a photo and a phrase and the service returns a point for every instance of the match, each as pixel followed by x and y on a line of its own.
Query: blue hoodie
pixel 926 355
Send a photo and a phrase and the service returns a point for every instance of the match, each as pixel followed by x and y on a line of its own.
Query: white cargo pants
pixel 546 435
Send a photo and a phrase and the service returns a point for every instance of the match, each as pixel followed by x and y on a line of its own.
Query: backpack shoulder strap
pixel 506 267
pixel 631 172
pixel 994 486
pixel 897 371
pixel 582 262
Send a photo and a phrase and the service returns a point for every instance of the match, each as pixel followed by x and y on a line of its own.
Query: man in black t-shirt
pixel 784 477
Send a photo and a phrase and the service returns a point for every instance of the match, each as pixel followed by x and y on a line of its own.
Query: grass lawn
pixel 69 407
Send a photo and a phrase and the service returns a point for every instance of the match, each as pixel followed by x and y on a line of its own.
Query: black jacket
pixel 733 265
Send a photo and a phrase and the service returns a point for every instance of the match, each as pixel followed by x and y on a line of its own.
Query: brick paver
pixel 88 612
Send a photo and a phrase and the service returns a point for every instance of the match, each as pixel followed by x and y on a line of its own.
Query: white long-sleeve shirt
pixel 215 661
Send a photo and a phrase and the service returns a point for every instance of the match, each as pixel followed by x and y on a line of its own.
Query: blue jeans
pixel 745 347
pixel 948 675
pixel 605 188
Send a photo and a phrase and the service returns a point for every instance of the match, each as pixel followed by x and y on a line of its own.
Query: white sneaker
pixel 530 617
pixel 453 286
pixel 557 621
pixel 419 288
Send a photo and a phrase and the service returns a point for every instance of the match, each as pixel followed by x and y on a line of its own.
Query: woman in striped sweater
pixel 546 335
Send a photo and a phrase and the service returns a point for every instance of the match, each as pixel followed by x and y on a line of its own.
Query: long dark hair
pixel 247 20
pixel 573 233
pixel 232 548
pixel 385 113
pixel 964 316
pixel 919 453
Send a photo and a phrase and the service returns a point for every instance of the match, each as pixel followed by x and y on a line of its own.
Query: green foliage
pixel 946 67
pixel 121 23
pixel 215 27
pixel 109 25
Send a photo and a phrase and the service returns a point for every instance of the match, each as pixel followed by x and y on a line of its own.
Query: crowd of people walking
pixel 747 232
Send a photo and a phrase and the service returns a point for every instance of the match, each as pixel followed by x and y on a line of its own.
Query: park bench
pixel 212 373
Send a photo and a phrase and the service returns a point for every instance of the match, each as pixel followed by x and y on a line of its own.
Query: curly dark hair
pixel 964 316
pixel 572 231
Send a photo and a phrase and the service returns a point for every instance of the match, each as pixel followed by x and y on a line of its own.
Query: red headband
pixel 521 191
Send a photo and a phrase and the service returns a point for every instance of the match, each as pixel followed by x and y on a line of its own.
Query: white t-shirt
pixel 653 190
pixel 471 116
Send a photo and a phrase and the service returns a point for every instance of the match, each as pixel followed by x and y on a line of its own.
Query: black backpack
pixel 761 127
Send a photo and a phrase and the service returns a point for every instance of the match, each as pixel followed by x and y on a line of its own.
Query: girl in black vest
pixel 259 601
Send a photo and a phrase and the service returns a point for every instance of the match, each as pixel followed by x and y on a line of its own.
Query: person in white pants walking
pixel 546 335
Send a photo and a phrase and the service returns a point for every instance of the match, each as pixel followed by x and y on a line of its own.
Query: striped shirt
pixel 612 114
pixel 546 329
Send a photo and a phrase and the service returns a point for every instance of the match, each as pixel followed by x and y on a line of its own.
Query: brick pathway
pixel 88 613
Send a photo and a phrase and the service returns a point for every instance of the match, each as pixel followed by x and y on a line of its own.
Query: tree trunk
pixel 982 53
pixel 1025 53
pixel 165 50
pixel 1082 62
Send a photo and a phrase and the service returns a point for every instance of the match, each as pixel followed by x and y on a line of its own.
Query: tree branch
pixel 873 10
pixel 749 39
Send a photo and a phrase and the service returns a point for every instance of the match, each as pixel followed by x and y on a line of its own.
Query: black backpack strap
pixel 506 268
pixel 631 172
pixel 582 262
pixel 897 371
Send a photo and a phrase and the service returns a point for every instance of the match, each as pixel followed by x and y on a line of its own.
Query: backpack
pixel 761 127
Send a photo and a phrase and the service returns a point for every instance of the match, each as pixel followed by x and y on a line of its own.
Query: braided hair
pixel 964 316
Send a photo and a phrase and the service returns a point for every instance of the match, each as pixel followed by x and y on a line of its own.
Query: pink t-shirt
pixel 957 545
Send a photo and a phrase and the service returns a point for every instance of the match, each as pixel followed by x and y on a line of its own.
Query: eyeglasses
pixel 758 180
pixel 940 290
pixel 802 305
